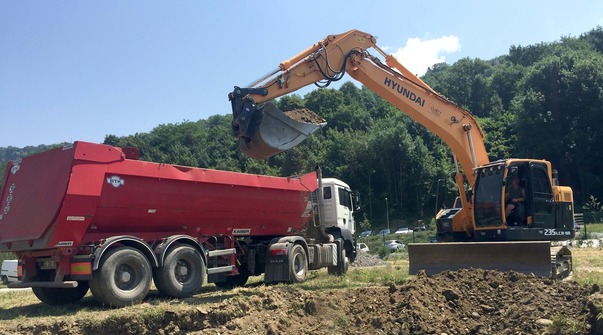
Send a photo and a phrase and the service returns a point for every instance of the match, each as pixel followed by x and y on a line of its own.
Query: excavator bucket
pixel 536 258
pixel 272 131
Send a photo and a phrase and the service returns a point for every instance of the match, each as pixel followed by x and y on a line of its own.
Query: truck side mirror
pixel 356 201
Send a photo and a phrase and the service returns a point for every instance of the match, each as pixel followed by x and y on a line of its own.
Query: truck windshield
pixel 488 191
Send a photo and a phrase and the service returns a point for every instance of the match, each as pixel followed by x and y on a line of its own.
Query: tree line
pixel 539 101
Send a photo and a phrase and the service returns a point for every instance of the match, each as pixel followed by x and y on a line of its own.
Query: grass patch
pixel 563 326
pixel 588 265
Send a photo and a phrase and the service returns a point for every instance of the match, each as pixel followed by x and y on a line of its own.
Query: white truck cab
pixel 339 204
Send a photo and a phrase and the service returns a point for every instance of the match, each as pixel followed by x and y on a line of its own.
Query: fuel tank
pixel 87 192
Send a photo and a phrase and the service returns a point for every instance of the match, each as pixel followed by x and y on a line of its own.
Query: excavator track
pixel 537 258
pixel 561 262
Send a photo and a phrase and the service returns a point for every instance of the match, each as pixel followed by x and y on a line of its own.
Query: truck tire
pixel 342 261
pixel 182 273
pixel 61 296
pixel 298 264
pixel 5 280
pixel 123 278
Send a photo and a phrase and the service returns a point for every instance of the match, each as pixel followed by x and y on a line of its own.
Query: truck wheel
pixel 342 261
pixel 61 296
pixel 123 278
pixel 5 280
pixel 298 264
pixel 182 273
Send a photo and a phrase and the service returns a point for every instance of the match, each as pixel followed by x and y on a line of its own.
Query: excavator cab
pixel 264 130
pixel 537 217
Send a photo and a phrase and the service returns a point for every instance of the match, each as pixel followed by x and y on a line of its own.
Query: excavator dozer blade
pixel 275 131
pixel 536 258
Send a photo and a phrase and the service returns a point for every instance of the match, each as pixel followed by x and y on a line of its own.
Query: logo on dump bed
pixel 241 231
pixel 15 167
pixel 9 199
pixel 115 181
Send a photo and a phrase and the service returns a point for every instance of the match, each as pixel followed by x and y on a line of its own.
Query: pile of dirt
pixel 364 259
pixel 304 115
pixel 460 302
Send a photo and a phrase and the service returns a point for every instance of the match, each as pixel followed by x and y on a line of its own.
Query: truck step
pixel 222 252
pixel 220 269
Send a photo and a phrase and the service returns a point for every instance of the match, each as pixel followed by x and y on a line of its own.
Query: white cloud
pixel 418 55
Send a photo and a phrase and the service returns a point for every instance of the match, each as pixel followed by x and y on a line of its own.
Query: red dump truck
pixel 93 216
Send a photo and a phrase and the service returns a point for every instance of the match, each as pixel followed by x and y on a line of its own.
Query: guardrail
pixel 588 217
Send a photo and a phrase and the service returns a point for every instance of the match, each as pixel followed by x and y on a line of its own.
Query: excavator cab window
pixel 487 199
pixel 517 215
pixel 513 173
pixel 542 197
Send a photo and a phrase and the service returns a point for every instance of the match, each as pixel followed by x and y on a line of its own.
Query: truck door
pixel 541 195
pixel 344 208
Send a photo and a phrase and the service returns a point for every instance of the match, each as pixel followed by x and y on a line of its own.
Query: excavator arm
pixel 328 60
pixel 263 130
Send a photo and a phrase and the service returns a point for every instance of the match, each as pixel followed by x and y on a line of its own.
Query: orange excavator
pixel 512 210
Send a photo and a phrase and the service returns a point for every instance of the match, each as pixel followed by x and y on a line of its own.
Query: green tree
pixel 558 116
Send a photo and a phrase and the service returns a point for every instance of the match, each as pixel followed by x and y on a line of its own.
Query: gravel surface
pixel 366 259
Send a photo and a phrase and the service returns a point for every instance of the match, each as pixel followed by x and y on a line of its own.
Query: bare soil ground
pixel 462 302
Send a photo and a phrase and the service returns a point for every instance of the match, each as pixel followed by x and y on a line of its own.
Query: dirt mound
pixel 364 259
pixel 460 302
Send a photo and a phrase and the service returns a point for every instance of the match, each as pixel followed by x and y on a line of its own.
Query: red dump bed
pixel 86 192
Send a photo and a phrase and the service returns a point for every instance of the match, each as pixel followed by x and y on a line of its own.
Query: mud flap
pixel 524 257
pixel 272 131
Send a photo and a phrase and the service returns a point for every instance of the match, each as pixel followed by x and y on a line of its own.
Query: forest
pixel 541 101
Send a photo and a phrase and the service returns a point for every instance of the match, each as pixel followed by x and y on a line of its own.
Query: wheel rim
pixel 126 277
pixel 299 265
pixel 182 271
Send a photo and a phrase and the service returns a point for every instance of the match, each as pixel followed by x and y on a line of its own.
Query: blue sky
pixel 79 70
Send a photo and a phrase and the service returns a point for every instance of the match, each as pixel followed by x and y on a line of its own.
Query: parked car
pixel 362 247
pixel 8 274
pixel 419 228
pixel 384 232
pixel 403 230
pixel 394 245
pixel 366 233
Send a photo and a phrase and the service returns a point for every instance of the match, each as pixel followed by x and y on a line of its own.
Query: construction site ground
pixel 463 302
